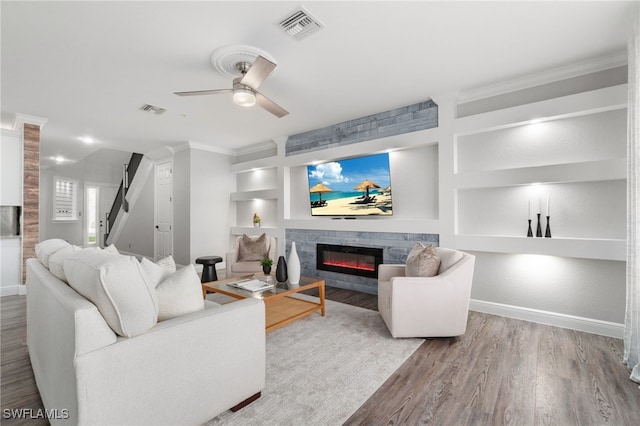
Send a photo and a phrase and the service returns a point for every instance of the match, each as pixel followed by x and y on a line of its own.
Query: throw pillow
pixel 253 248
pixel 56 261
pixel 422 261
pixel 158 271
pixel 179 294
pixel 45 249
pixel 117 286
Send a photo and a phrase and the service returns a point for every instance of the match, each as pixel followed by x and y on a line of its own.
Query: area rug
pixel 320 370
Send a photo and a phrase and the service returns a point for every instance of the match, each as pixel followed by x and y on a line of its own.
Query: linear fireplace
pixel 360 261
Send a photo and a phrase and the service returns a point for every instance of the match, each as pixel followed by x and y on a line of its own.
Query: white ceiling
pixel 89 66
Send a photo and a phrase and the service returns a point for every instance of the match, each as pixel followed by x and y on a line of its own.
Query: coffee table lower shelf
pixel 281 307
pixel 287 309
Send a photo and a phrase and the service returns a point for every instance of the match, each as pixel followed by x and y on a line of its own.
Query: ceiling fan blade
pixel 203 92
pixel 270 106
pixel 259 71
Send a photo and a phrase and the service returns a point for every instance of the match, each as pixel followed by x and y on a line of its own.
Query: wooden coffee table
pixel 280 307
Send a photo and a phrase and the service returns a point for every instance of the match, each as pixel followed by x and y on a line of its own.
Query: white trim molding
pixel 22 119
pixel 587 325
pixel 12 290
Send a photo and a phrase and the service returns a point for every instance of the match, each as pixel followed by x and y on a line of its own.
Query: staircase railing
pixel 128 173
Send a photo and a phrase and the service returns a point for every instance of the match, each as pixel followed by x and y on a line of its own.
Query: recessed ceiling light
pixel 86 139
pixel 58 159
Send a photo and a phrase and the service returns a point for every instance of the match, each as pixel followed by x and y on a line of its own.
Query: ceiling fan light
pixel 244 97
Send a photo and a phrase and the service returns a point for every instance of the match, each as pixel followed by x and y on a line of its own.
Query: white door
pixel 106 197
pixel 164 210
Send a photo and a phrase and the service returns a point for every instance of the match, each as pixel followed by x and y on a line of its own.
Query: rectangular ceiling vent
pixel 152 108
pixel 300 24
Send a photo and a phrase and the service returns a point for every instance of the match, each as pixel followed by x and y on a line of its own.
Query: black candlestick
pixel 547 233
pixel 539 228
pixel 529 231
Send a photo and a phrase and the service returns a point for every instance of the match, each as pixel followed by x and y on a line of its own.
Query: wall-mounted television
pixel 359 186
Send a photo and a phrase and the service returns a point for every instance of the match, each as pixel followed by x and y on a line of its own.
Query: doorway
pixel 98 201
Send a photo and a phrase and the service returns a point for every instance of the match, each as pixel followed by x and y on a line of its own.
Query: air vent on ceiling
pixel 299 24
pixel 152 108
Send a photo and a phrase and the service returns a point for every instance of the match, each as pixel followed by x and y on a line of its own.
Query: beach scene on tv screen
pixel 351 187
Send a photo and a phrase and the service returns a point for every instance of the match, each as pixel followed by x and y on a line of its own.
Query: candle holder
pixel 529 231
pixel 539 227
pixel 547 233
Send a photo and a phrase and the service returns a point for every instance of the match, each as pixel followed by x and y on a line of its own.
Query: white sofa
pixel 435 306
pixel 185 370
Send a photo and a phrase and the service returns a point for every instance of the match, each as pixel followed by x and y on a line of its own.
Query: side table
pixel 209 267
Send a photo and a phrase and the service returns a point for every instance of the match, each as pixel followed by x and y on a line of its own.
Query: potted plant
pixel 266 265
pixel 256 220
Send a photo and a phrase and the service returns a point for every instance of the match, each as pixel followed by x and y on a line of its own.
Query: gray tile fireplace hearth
pixel 395 248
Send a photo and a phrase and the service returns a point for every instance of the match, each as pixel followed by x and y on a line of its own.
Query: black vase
pixel 266 269
pixel 281 270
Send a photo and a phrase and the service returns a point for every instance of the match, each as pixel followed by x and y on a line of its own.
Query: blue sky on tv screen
pixel 345 175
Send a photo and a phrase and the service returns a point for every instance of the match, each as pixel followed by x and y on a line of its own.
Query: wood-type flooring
pixel 501 372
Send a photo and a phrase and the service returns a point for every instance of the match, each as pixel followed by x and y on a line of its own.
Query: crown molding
pixel 22 119
pixel 550 76
pixel 259 147
pixel 200 146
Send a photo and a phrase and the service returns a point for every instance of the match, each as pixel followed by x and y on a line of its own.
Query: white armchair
pixel 236 267
pixel 427 307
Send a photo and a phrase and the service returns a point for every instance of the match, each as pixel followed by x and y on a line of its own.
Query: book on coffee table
pixel 250 285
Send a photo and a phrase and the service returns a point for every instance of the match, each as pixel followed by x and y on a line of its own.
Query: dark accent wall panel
pixel 411 118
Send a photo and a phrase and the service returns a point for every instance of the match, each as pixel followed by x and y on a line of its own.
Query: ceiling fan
pixel 245 88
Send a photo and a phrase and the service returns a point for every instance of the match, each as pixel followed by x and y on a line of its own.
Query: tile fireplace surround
pixel 395 248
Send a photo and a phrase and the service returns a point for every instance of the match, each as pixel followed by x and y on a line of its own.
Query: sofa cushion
pixel 56 261
pixel 252 248
pixel 448 258
pixel 422 261
pixel 156 272
pixel 45 249
pixel 117 286
pixel 179 294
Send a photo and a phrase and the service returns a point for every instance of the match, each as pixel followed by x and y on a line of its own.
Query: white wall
pixel 211 213
pixel 138 235
pixel 103 167
pixel 578 287
pixel 202 211
pixel 182 206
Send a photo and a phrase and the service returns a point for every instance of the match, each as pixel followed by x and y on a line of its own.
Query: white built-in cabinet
pixel 569 152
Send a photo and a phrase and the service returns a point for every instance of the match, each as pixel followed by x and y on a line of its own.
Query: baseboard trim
pixel 12 290
pixel 588 325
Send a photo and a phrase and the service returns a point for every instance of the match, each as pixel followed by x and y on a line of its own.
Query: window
pixel 65 201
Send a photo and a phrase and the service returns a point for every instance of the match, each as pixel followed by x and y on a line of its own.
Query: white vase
pixel 293 265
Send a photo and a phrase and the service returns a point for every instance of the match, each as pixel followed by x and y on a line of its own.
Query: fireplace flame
pixel 350 265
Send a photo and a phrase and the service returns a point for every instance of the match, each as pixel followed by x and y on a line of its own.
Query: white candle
pixel 529 208
pixel 539 205
pixel 548 202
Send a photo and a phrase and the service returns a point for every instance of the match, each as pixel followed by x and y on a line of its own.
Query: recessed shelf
pixel 588 171
pixel 264 194
pixel 605 99
pixel 585 248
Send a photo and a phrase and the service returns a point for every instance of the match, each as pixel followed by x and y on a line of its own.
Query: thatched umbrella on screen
pixel 365 186
pixel 320 189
